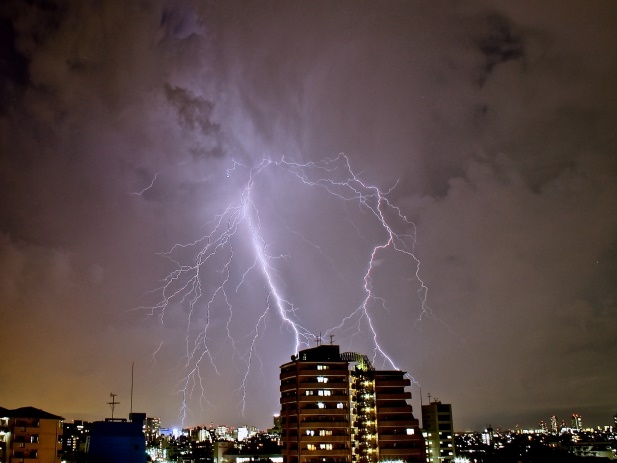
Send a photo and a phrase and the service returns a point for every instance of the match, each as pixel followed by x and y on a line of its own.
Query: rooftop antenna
pixel 429 397
pixel 331 339
pixel 113 403
pixel 132 368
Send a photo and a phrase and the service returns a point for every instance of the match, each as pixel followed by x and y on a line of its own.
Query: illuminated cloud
pixel 493 124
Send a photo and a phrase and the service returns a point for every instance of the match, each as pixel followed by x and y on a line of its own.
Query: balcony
pixel 323 424
pixel 325 411
pixel 394 396
pixel 397 452
pixel 288 387
pixel 398 437
pixel 385 424
pixel 393 383
pixel 329 385
pixel 326 453
pixel 25 457
pixel 21 423
pixel 314 398
pixel 401 410
pixel 287 374
pixel 25 433
pixel 290 399
pixel 325 439
pixel 329 372
pixel 25 446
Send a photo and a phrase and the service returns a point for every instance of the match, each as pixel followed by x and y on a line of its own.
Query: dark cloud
pixel 500 45
pixel 13 65
pixel 196 113
pixel 129 127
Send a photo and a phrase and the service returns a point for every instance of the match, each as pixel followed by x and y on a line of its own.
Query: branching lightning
pixel 139 193
pixel 221 254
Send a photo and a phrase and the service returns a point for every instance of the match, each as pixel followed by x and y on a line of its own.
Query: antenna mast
pixel 132 368
pixel 113 403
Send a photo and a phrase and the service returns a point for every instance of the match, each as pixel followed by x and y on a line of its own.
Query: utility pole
pixel 112 404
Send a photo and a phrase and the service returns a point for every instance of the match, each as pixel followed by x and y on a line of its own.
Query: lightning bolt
pixel 239 223
pixel 139 193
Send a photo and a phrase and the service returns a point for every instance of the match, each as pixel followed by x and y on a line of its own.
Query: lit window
pixel 322 379
pixel 321 405
pixel 309 392
pixel 410 431
pixel 310 447
pixel 322 367
pixel 339 405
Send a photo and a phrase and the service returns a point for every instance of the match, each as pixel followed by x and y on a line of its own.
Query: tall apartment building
pixel 335 408
pixel 29 434
pixel 438 432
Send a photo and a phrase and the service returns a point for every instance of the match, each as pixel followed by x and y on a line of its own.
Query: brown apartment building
pixel 30 435
pixel 335 408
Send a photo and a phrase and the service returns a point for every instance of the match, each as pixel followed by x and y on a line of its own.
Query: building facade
pixel 117 440
pixel 30 434
pixel 438 432
pixel 335 408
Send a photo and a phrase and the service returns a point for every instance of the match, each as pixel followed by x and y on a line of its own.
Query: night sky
pixel 131 130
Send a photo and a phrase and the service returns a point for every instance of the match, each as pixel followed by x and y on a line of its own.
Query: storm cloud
pixel 128 127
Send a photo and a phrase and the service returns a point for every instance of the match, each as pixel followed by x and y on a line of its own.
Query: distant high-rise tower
pixel 335 408
pixel 542 425
pixel 438 432
pixel 487 436
pixel 554 426
pixel 576 422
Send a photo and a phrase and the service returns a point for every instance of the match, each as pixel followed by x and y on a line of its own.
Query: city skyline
pixel 204 189
pixel 543 424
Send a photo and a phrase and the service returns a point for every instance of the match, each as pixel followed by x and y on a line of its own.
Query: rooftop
pixel 28 412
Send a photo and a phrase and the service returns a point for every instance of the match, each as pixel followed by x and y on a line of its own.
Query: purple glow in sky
pixel 128 129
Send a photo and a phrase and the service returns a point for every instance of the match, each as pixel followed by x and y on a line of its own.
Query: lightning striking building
pixel 335 408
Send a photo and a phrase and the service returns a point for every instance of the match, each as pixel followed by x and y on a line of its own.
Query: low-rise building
pixel 30 434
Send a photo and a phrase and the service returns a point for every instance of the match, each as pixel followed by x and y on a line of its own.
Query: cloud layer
pixel 493 124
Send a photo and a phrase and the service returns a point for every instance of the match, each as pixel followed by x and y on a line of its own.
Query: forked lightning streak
pixel 190 284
